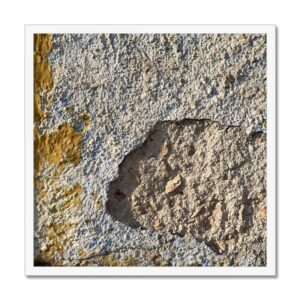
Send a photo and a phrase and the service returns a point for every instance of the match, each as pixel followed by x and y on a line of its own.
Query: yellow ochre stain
pixel 59 147
pixel 72 197
pixel 110 261
pixel 42 71
pixel 56 233
pixel 40 188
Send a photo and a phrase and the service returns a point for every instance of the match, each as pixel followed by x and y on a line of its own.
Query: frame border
pixel 269 270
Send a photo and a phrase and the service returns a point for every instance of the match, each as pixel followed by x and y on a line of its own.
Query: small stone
pixel 262 212
pixel 164 150
pixel 43 247
pixel 193 104
pixel 181 230
pixel 231 242
pixel 157 224
pixel 219 246
pixel 214 100
pixel 143 95
pixel 209 90
pixel 249 130
pixel 173 184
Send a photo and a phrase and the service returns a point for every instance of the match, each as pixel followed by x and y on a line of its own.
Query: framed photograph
pixel 150 150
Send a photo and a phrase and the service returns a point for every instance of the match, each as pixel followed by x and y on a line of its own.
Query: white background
pixel 14 14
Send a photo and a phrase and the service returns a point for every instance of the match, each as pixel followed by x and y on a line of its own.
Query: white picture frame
pixel 268 270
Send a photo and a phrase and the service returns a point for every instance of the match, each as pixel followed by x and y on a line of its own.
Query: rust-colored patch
pixel 42 71
pixel 59 147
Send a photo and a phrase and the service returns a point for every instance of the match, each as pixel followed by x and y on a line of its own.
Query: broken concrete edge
pixel 211 244
pixel 176 121
pixel 108 260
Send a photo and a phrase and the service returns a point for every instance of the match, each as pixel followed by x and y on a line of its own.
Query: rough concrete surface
pixel 150 150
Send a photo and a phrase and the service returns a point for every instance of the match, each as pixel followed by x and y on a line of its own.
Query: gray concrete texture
pixel 172 159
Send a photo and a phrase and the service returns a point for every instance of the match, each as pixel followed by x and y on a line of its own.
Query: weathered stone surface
pixel 217 195
pixel 98 96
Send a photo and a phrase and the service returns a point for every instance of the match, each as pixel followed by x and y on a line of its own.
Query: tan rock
pixel 164 150
pixel 157 224
pixel 181 230
pixel 173 184
pixel 218 209
pixel 231 242
pixel 261 213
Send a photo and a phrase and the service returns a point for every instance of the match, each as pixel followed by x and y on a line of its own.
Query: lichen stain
pixel 56 233
pixel 110 261
pixel 60 147
pixel 41 189
pixel 72 197
pixel 42 72
pixel 158 261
